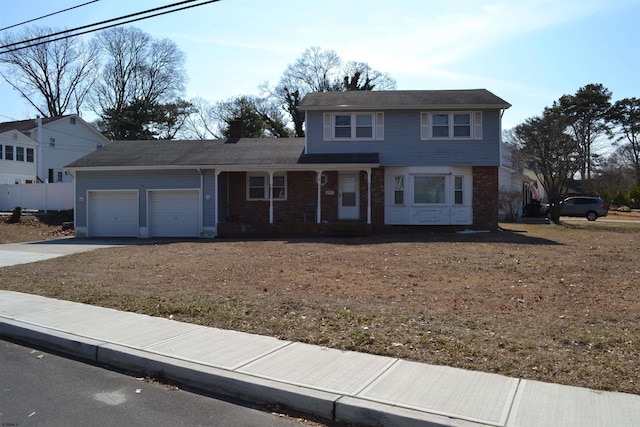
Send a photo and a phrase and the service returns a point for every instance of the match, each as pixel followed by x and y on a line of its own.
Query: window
pixel 459 125
pixel 398 190
pixel 362 126
pixel 458 195
pixel 59 176
pixel 428 189
pixel 72 120
pixel 30 157
pixel 8 152
pixel 1 156
pixel 52 142
pixel 20 154
pixel 258 184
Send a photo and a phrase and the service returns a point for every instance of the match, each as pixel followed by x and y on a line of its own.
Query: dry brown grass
pixel 546 302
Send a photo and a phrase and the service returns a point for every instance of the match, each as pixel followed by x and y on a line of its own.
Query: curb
pixel 330 406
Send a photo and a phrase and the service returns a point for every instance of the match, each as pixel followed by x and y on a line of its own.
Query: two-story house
pixel 36 150
pixel 370 161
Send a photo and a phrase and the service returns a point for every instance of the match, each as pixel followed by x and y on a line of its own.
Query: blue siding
pixel 141 181
pixel 402 145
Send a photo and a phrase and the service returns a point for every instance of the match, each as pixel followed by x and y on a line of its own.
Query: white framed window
pixel 8 152
pixel 458 190
pixel 30 155
pixel 398 190
pixel 353 126
pixel 20 154
pixel 451 125
pixel 428 189
pixel 1 152
pixel 52 142
pixel 258 186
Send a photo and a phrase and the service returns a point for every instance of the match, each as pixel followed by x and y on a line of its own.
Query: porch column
pixel 319 184
pixel 270 197
pixel 216 198
pixel 368 196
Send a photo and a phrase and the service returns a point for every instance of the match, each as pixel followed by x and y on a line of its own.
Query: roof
pixel 28 124
pixel 243 151
pixel 402 100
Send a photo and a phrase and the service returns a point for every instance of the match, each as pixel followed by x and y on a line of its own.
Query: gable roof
pixel 402 100
pixel 221 152
pixel 28 124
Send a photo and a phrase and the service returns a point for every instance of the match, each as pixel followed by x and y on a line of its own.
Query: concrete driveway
pixel 23 253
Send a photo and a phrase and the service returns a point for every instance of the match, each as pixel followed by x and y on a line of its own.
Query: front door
pixel 348 196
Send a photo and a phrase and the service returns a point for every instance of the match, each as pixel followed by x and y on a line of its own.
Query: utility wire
pixel 101 28
pixel 50 14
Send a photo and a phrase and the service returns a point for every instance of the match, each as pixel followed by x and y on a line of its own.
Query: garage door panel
pixel 174 213
pixel 113 214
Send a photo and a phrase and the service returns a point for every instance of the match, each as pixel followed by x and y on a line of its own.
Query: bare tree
pixel 139 74
pixel 55 76
pixel 551 152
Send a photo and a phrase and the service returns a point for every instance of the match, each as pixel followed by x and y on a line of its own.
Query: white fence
pixel 41 197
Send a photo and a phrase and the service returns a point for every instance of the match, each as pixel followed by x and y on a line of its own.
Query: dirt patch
pixel 545 302
pixel 36 227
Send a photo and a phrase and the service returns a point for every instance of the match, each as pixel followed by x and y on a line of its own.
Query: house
pixel 46 143
pixel 17 158
pixel 370 161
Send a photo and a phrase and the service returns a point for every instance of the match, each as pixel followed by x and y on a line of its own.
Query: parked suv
pixel 590 207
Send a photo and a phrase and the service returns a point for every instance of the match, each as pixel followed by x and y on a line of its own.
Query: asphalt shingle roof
pixel 26 125
pixel 402 99
pixel 244 151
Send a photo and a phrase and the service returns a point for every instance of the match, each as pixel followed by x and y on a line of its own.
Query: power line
pixel 67 35
pixel 50 14
pixel 28 43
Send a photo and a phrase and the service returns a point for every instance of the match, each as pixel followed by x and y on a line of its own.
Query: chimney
pixel 236 129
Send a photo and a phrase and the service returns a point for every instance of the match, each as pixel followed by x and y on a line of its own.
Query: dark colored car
pixel 589 207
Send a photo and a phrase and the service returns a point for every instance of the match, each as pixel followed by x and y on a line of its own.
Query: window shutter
pixel 424 126
pixel 477 125
pixel 327 127
pixel 379 126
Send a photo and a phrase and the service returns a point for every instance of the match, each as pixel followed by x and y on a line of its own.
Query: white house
pixel 46 144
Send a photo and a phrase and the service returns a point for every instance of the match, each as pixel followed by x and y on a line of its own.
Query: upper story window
pixel 258 186
pixel 353 126
pixel 72 120
pixel 52 142
pixel 451 125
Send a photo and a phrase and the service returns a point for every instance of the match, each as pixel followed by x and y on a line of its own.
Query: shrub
pixel 15 215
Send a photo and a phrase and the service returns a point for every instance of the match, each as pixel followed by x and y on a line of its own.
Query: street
pixel 39 388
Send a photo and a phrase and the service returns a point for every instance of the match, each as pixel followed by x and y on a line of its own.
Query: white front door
pixel 348 196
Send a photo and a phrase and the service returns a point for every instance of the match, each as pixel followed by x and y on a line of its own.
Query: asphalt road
pixel 38 388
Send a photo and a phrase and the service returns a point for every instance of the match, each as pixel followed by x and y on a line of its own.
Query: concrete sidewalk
pixel 337 385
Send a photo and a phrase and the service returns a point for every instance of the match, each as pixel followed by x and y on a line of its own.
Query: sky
pixel 528 52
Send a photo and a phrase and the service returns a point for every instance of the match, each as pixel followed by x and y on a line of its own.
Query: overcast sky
pixel 529 52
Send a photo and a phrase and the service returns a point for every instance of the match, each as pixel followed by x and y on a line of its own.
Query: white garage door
pixel 113 213
pixel 174 213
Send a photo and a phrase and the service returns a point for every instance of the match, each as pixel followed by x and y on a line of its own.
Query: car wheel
pixel 592 216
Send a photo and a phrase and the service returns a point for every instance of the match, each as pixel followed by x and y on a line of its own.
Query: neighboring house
pixel 370 161
pixel 17 158
pixel 59 141
pixel 512 177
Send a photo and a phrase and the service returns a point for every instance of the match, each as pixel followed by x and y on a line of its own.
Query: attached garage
pixel 113 213
pixel 174 213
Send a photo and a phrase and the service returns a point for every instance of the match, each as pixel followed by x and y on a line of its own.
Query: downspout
pixel 270 197
pixel 319 182
pixel 369 197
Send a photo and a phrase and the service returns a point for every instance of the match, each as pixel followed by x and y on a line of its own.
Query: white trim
pixel 267 176
pixel 426 126
pixel 353 126
pixel 172 190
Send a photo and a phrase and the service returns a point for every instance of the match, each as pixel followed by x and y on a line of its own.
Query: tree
pixel 587 113
pixel 55 76
pixel 140 75
pixel 612 177
pixel 625 116
pixel 321 71
pixel 551 152
pixel 260 117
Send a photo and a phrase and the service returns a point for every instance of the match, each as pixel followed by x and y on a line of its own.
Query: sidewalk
pixel 337 385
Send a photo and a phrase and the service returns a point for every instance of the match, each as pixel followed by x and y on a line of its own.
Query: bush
pixel 15 215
